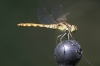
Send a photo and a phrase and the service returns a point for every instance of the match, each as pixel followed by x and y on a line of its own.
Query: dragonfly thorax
pixel 62 27
pixel 66 27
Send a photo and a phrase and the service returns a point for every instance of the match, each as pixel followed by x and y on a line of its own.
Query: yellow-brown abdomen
pixel 52 26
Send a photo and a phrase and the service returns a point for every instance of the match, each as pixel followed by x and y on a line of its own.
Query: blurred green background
pixel 24 46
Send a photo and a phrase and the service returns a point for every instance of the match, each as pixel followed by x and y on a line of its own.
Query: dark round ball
pixel 68 53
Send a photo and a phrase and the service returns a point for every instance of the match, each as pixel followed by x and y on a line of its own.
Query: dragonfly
pixel 56 20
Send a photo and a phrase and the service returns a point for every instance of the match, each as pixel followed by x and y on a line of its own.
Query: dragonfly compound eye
pixel 73 28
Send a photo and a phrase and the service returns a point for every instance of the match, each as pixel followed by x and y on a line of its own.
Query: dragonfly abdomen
pixel 52 26
pixel 30 25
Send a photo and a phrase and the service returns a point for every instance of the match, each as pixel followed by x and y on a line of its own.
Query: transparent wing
pixel 41 12
pixel 49 19
pixel 44 16
pixel 56 11
pixel 63 18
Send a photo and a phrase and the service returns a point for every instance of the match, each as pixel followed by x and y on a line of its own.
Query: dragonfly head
pixel 73 28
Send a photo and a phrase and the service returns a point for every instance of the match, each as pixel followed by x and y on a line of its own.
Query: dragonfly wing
pixel 44 16
pixel 49 19
pixel 63 18
pixel 41 12
pixel 56 11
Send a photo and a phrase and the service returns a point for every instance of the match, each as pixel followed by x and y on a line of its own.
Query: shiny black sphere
pixel 68 53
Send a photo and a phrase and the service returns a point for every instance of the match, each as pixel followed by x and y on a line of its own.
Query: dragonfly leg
pixel 71 35
pixel 68 36
pixel 62 36
pixel 58 37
